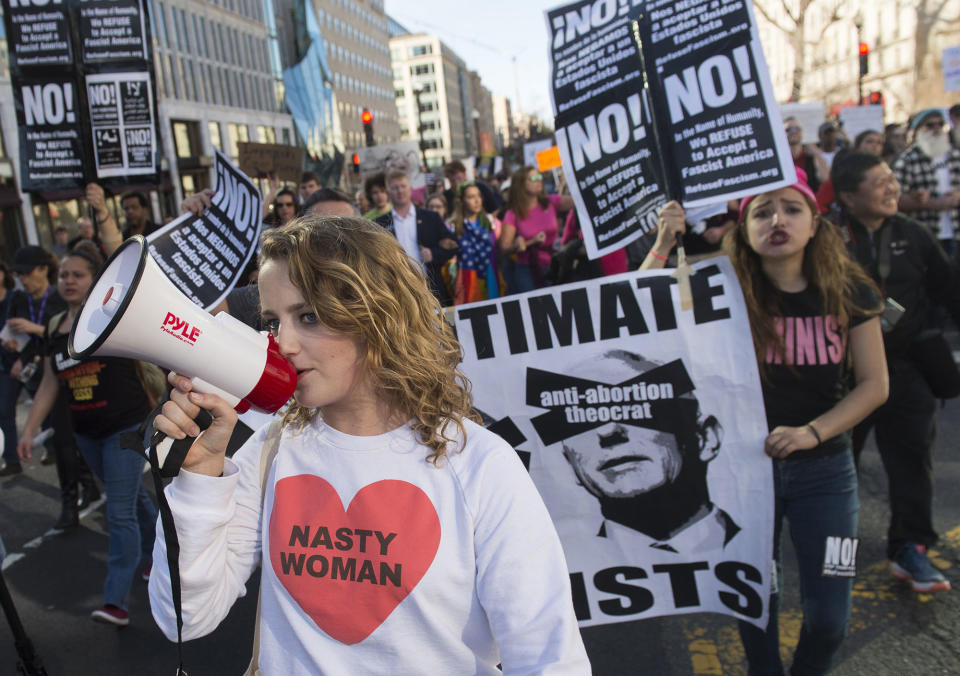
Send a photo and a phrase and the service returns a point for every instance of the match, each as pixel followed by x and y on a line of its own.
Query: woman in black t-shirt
pixel 813 314
pixel 107 402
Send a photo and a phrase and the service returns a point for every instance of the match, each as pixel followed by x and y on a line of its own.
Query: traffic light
pixel 356 163
pixel 367 118
pixel 875 99
pixel 864 58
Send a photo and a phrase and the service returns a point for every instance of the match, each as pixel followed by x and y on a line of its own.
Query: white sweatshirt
pixel 377 560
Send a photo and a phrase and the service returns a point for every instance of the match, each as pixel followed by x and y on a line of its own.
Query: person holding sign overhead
pixel 812 311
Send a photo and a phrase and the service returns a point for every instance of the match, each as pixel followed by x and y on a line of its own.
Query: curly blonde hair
pixel 827 267
pixel 360 282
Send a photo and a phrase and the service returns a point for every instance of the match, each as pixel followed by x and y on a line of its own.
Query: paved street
pixel 55 581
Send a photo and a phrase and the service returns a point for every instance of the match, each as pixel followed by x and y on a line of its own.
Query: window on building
pixel 159 22
pixel 285 136
pixel 266 134
pixel 186 138
pixel 236 133
pixel 213 128
pixel 420 50
pixel 203 49
pixel 422 69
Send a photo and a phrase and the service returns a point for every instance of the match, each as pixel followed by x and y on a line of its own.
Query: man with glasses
pixel 806 156
pixel 929 176
pixel 904 260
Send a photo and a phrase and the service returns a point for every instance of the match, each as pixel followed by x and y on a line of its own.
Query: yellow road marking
pixel 718 650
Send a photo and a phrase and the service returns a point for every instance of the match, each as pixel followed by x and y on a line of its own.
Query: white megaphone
pixel 132 310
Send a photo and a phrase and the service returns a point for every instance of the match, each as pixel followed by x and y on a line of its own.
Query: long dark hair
pixel 274 214
pixel 89 252
pixel 827 266
pixel 8 282
pixel 459 214
pixel 517 197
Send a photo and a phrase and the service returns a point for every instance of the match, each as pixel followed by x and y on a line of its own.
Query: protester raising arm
pixel 671 224
pixel 107 229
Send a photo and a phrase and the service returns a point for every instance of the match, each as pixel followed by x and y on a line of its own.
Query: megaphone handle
pixel 202 386
pixel 172 452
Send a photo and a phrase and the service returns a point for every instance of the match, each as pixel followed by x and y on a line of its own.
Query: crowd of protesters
pixel 868 234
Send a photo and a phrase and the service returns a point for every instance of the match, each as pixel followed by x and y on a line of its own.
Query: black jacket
pixel 430 230
pixel 921 275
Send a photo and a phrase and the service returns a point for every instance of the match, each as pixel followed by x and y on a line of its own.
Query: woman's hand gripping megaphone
pixel 182 417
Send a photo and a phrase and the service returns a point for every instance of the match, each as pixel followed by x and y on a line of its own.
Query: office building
pixel 504 128
pixel 905 43
pixel 436 96
pixel 356 49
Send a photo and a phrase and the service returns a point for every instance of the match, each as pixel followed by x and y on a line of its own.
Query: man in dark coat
pixel 421 233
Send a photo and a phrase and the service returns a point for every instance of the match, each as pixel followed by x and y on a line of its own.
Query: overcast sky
pixel 487 34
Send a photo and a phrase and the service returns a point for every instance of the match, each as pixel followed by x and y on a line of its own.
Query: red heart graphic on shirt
pixel 348 569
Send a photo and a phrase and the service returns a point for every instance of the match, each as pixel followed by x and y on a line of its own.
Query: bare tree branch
pixel 796 18
pixel 769 17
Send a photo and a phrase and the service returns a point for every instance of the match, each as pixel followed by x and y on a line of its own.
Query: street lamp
pixel 476 129
pixel 417 93
pixel 858 22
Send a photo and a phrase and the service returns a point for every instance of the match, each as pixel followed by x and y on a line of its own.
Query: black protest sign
pixel 38 34
pixel 716 106
pixel 690 116
pixel 52 149
pixel 602 122
pixel 205 255
pixel 112 30
pixel 82 77
pixel 652 400
pixel 121 118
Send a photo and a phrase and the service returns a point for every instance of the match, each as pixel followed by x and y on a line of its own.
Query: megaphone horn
pixel 132 310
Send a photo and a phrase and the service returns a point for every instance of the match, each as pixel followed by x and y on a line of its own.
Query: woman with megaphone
pixel 396 535
pixel 107 403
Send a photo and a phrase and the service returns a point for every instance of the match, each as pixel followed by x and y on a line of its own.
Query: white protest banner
pixel 951 69
pixel 401 156
pixel 204 255
pixel 857 119
pixel 809 115
pixel 661 100
pixel 642 427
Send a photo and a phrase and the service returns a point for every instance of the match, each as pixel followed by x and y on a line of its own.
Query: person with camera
pixel 914 274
